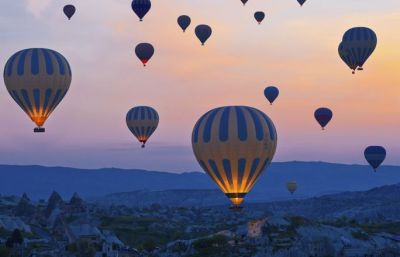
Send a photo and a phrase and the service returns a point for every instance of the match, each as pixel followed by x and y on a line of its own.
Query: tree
pixel 4 252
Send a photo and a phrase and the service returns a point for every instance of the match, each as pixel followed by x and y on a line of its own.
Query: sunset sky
pixel 295 48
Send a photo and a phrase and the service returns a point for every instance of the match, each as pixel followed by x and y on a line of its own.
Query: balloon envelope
pixel 69 10
pixel 234 145
pixel 271 93
pixel 184 22
pixel 375 155
pixel 301 2
pixel 259 16
pixel 360 43
pixel 244 1
pixel 37 79
pixel 141 7
pixel 203 32
pixel 292 186
pixel 142 121
pixel 346 55
pixel 144 51
pixel 323 116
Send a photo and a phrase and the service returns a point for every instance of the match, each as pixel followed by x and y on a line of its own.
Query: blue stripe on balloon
pixel 59 61
pixel 142 131
pixel 257 124
pixel 36 97
pixel 253 170
pixel 142 115
pixel 55 100
pixel 21 63
pixel 224 125
pixel 271 128
pixel 228 171
pixel 135 113
pixel 241 124
pixel 48 62
pixel 197 127
pixel 18 100
pixel 208 126
pixel 47 96
pixel 10 64
pixel 35 62
pixel 25 95
pixel 149 113
pixel 215 171
pixel 241 167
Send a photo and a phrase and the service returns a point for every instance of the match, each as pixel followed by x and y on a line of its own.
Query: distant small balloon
pixel 69 11
pixel 375 155
pixel 203 33
pixel 244 1
pixel 144 51
pixel 142 121
pixel 301 2
pixel 271 93
pixel 323 116
pixel 259 16
pixel 184 22
pixel 141 8
pixel 292 186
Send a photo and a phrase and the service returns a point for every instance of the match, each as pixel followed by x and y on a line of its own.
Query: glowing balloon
pixel 323 116
pixel 69 11
pixel 375 155
pixel 142 121
pixel 234 145
pixel 144 51
pixel 184 22
pixel 203 32
pixel 37 79
pixel 141 8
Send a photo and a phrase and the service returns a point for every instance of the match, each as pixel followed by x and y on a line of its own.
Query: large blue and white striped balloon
pixel 142 121
pixel 359 43
pixel 234 145
pixel 37 79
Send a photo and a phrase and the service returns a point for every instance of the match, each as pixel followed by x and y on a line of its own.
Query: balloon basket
pixel 39 130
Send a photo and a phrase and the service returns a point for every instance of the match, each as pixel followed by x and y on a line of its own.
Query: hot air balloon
pixel 184 22
pixel 292 186
pixel 347 56
pixel 144 51
pixel 142 121
pixel 203 32
pixel 323 116
pixel 69 10
pixel 301 2
pixel 141 7
pixel 259 16
pixel 375 155
pixel 234 145
pixel 244 2
pixel 360 43
pixel 37 79
pixel 271 93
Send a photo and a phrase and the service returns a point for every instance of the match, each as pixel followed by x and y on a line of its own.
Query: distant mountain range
pixel 314 179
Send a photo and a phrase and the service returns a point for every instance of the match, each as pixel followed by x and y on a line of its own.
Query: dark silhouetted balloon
pixel 347 56
pixel 271 93
pixel 142 121
pixel 37 79
pixel 375 155
pixel 301 2
pixel 141 7
pixel 244 1
pixel 144 51
pixel 259 16
pixel 184 22
pixel 323 116
pixel 358 44
pixel 291 186
pixel 234 145
pixel 203 32
pixel 69 10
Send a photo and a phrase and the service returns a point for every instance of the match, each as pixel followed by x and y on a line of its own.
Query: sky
pixel 295 49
